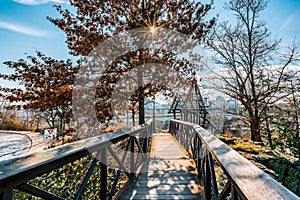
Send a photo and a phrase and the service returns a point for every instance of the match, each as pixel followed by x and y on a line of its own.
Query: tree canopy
pixel 45 84
pixel 96 22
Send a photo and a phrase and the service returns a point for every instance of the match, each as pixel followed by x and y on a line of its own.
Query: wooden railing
pixel 222 171
pixel 93 168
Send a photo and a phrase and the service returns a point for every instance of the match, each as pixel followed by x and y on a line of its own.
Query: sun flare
pixel 152 29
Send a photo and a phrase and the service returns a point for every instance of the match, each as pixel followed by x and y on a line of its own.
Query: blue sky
pixel 24 28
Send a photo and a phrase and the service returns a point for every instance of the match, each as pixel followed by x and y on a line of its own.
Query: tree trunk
pixel 255 132
pixel 53 123
pixel 141 106
pixel 60 129
pixel 254 123
pixel 269 133
pixel 268 128
pixel 4 118
pixel 133 117
pixel 297 129
pixel 141 97
pixel 38 124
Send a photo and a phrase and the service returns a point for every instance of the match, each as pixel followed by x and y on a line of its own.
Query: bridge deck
pixel 169 173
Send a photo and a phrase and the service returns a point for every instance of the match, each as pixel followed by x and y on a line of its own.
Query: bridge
pixel 185 162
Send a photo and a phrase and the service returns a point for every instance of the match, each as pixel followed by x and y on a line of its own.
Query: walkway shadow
pixel 166 176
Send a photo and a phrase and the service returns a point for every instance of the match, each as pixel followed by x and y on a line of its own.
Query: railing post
pixel 234 193
pixel 145 144
pixel 213 176
pixel 207 179
pixel 171 127
pixel 146 139
pixel 201 166
pixel 7 195
pixel 103 175
pixel 132 166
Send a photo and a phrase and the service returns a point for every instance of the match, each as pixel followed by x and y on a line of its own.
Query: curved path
pixel 14 143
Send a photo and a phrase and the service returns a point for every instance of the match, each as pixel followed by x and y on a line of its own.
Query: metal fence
pixel 93 168
pixel 223 172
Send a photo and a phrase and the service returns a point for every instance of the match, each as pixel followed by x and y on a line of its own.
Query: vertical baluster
pixel 200 161
pixel 173 128
pixel 7 195
pixel 186 140
pixel 207 189
pixel 183 136
pixel 182 139
pixel 234 194
pixel 183 142
pixel 213 177
pixel 145 142
pixel 202 172
pixel 177 134
pixel 190 138
pixel 194 148
pixel 103 175
pixel 132 168
pixel 180 132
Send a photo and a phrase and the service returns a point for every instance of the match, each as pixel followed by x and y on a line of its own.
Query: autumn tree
pixel 46 86
pixel 6 112
pixel 96 21
pixel 249 55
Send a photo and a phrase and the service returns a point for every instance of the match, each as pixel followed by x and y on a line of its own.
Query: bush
pixel 12 124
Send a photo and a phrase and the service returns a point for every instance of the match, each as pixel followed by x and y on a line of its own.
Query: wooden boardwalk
pixel 169 173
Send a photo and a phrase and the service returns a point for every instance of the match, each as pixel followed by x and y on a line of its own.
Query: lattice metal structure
pixel 191 107
pixel 94 168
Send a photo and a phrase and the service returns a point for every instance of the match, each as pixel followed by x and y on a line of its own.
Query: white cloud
pixel 37 2
pixel 23 29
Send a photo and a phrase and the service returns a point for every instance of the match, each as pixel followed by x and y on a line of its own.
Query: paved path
pixel 14 143
pixel 169 174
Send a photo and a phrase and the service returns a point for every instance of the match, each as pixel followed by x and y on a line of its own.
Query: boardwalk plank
pixel 169 173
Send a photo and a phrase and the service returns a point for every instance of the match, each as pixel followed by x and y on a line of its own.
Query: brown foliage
pixel 97 21
pixel 47 84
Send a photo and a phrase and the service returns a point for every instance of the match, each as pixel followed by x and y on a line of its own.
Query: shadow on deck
pixel 169 173
pixel 179 164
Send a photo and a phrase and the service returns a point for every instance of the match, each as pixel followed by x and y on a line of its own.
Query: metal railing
pixel 93 168
pixel 223 172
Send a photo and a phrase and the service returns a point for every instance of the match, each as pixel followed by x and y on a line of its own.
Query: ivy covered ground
pixel 283 168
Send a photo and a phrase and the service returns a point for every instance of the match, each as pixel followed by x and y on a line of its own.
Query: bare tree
pixel 248 54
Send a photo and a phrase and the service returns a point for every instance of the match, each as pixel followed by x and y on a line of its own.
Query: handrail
pixel 244 179
pixel 135 141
